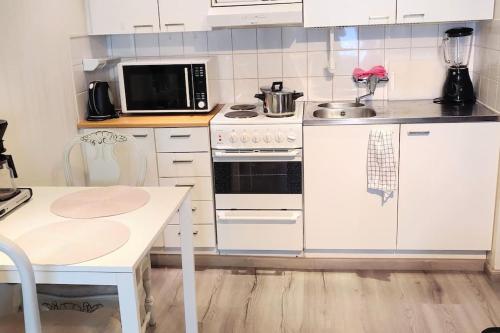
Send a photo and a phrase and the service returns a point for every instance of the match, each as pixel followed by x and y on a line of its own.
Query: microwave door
pixel 158 88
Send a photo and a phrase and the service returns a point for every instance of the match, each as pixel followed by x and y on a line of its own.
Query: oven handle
pixel 223 218
pixel 286 154
pixel 188 93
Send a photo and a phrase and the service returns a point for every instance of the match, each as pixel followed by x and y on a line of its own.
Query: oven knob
pixel 291 137
pixel 233 138
pixel 256 138
pixel 268 138
pixel 201 104
pixel 280 137
pixel 245 138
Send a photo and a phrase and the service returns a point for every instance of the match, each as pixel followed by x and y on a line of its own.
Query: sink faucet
pixel 371 83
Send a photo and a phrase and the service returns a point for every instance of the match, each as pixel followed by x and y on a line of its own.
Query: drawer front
pixel 260 231
pixel 203 213
pixel 203 236
pixel 184 165
pixel 201 186
pixel 182 140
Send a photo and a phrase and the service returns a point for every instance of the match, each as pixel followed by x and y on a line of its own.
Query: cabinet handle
pixel 182 161
pixel 173 24
pixel 143 26
pixel 379 17
pixel 194 233
pixel 184 185
pixel 180 136
pixel 414 15
pixel 194 209
pixel 419 133
pixel 140 136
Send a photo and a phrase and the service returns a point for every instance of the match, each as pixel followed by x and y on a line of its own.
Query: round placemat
pixel 100 202
pixel 73 242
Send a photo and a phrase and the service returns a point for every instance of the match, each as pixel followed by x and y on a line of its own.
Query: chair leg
pixel 149 303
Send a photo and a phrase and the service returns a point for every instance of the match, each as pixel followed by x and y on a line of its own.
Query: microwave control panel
pixel 200 87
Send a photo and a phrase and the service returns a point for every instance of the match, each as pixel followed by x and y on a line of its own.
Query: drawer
pixel 203 213
pixel 203 236
pixel 201 186
pixel 182 140
pixel 160 241
pixel 184 165
pixel 260 231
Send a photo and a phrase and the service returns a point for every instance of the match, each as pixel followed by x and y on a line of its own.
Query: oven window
pixel 157 87
pixel 258 177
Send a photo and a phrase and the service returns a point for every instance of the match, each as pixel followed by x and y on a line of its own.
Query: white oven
pixel 258 179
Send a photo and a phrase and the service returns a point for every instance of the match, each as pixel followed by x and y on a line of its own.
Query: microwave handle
pixel 188 93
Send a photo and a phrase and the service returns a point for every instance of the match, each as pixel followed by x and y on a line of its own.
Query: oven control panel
pixel 256 136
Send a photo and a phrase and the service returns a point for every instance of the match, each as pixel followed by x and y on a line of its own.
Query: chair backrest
pixel 102 166
pixel 30 301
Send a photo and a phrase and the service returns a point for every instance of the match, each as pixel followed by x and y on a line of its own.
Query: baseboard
pixel 324 264
pixel 493 274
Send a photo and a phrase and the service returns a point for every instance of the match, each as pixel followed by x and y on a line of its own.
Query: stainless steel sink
pixel 341 105
pixel 344 113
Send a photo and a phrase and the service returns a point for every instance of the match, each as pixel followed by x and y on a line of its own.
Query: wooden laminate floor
pixel 289 301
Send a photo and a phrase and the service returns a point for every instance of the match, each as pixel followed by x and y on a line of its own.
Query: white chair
pixel 101 162
pixel 103 169
pixel 53 321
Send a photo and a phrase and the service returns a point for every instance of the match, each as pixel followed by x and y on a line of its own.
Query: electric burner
pixel 243 107
pixel 241 114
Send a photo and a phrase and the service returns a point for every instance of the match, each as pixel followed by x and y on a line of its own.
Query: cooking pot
pixel 278 102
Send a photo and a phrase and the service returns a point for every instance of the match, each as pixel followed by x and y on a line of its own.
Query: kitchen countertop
pixel 408 112
pixel 154 120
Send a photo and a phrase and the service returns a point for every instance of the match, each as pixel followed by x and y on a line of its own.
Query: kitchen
pixel 278 200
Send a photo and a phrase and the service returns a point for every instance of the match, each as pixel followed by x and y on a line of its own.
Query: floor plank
pixel 293 301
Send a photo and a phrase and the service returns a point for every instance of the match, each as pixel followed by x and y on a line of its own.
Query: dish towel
pixel 381 166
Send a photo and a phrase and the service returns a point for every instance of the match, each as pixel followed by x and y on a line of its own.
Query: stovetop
pixel 253 114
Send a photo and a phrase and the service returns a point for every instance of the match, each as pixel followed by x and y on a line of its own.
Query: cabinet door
pixel 185 15
pixel 107 17
pixel 324 13
pixel 411 11
pixel 340 212
pixel 448 178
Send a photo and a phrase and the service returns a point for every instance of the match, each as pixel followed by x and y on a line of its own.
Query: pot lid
pixel 276 89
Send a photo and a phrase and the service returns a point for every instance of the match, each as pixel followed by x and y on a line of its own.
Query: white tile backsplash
pixel 269 40
pixel 245 66
pixel 249 57
pixel 270 65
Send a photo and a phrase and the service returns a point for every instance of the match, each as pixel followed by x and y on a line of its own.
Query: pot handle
pixel 297 95
pixel 277 86
pixel 262 97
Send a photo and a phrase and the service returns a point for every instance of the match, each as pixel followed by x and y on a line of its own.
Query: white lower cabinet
pixel 340 212
pixel 202 188
pixel 203 237
pixel 448 180
pixel 260 231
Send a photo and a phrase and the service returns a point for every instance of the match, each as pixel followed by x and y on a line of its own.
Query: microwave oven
pixel 170 85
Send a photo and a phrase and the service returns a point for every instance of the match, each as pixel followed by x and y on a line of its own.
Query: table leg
pixel 128 297
pixel 188 271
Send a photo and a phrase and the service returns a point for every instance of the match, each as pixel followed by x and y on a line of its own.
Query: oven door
pixel 258 179
pixel 157 88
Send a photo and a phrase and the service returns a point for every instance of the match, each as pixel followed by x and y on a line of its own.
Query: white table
pixel 118 268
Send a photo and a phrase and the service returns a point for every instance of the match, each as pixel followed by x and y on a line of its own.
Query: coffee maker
pixel 10 195
pixel 457 47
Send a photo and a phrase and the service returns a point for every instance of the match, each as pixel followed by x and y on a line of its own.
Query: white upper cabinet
pixel 107 17
pixel 447 186
pixel 324 13
pixel 412 11
pixel 183 15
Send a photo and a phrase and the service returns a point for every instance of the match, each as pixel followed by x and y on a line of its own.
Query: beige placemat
pixel 73 242
pixel 100 202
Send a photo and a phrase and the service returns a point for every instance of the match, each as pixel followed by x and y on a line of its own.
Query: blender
pixel 457 48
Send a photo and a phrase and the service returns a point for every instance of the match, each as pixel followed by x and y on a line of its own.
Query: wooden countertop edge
pixel 154 121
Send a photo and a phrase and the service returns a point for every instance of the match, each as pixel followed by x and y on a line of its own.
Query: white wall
pixel 36 83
